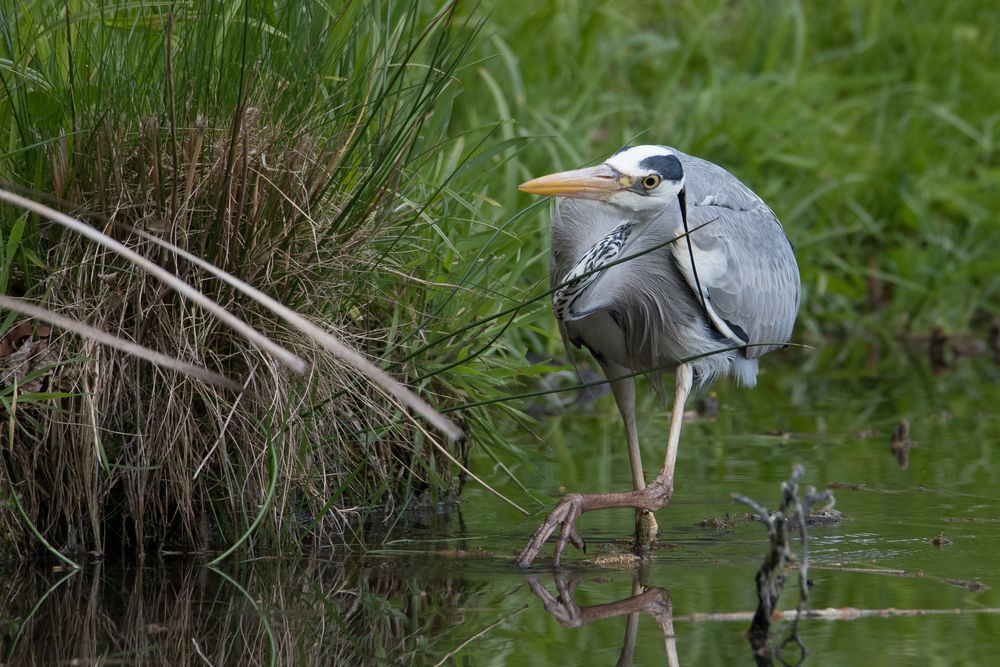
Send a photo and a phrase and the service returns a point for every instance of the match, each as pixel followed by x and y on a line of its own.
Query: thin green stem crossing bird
pixel 724 292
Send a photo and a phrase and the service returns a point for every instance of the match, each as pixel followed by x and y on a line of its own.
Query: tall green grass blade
pixel 26 621
pixel 272 644
pixel 265 508
pixel 16 502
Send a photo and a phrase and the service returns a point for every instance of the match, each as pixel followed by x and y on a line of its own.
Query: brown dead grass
pixel 140 457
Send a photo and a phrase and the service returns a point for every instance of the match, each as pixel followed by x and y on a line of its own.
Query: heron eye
pixel 650 182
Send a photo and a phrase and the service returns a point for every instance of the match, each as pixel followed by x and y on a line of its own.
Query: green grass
pixel 869 127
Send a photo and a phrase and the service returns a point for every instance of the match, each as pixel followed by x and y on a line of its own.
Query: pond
pixel 917 544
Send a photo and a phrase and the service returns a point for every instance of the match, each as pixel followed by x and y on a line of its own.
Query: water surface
pixel 446 589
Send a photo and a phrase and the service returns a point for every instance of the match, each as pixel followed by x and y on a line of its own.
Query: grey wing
pixel 744 262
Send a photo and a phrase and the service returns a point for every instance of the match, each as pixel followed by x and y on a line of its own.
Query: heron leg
pixel 685 377
pixel 656 495
pixel 624 393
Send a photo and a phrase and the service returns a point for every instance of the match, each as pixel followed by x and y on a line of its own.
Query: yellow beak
pixel 590 183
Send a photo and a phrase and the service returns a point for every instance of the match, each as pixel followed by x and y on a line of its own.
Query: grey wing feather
pixel 746 268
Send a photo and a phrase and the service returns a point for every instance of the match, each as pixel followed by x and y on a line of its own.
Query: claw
pixel 568 528
pixel 565 514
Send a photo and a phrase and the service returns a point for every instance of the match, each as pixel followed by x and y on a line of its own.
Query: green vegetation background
pixel 869 127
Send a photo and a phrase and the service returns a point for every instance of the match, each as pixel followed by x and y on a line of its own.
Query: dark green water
pixel 447 590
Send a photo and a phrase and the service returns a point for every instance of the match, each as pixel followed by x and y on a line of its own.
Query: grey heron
pixel 660 258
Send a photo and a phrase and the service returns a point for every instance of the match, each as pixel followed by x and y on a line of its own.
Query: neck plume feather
pixel 588 269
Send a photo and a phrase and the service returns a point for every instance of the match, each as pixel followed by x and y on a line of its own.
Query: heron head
pixel 636 178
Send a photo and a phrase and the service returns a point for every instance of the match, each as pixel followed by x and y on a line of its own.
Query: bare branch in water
pixel 792 513
pixel 833 614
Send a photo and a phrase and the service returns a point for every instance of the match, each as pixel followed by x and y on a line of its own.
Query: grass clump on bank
pixel 292 146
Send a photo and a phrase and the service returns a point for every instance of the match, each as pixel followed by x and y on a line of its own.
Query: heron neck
pixel 588 269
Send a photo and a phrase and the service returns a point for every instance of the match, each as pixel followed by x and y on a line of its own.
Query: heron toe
pixel 565 515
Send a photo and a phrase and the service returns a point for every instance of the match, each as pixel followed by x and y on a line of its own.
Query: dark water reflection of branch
pixel 649 600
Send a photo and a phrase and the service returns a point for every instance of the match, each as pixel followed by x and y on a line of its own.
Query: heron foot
pixel 565 514
pixel 654 497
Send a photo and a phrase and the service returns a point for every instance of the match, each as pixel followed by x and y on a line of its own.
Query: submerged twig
pixel 900 443
pixel 791 512
pixel 832 614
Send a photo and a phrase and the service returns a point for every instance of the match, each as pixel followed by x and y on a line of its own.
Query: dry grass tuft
pixel 149 456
